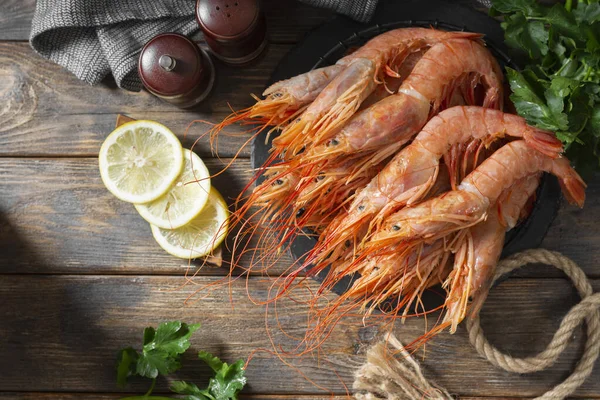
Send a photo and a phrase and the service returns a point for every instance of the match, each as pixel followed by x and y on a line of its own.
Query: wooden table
pixel 81 275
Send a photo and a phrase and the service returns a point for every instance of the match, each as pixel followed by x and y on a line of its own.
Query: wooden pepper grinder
pixel 235 30
pixel 175 69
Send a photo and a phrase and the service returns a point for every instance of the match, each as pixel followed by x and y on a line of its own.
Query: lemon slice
pixel 140 160
pixel 201 235
pixel 184 201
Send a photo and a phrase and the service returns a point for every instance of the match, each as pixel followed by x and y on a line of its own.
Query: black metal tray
pixel 326 44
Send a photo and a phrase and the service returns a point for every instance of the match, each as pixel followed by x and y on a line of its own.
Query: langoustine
pixel 475 261
pixel 363 71
pixel 395 281
pixel 378 132
pixel 281 184
pixel 469 204
pixel 387 230
pixel 408 177
pixel 326 97
pixel 375 134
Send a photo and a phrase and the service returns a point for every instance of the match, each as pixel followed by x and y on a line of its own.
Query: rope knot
pixel 400 377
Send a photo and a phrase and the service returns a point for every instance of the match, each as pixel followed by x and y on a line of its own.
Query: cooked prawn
pixel 475 261
pixel 399 117
pixel 364 70
pixel 379 131
pixel 469 204
pixel 405 272
pixel 411 173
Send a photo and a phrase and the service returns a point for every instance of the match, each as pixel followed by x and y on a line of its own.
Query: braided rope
pixel 402 378
pixel 586 310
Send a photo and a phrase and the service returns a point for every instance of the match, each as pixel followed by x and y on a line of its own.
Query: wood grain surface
pixel 81 276
pixel 57 217
pixel 47 111
pixel 65 330
pixel 116 396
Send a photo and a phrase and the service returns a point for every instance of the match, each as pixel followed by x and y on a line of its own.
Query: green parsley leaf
pixel 587 13
pixel 192 391
pixel 160 355
pixel 171 337
pixel 527 7
pixel 154 362
pixel 229 379
pixel 529 103
pixel 559 86
pixel 127 365
pixel 530 37
pixel 595 121
pixel 564 23
pixel 213 362
pixel 563 86
pixel 162 348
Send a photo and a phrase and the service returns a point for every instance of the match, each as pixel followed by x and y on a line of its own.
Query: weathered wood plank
pixel 15 19
pixel 56 216
pixel 116 396
pixel 65 330
pixel 287 20
pixel 49 112
pixel 105 396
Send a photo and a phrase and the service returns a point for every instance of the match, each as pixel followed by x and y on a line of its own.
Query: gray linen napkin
pixel 95 38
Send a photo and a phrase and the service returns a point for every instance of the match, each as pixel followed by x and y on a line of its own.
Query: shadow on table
pixel 47 328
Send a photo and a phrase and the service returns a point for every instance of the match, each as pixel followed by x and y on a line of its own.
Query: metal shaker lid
pixel 228 19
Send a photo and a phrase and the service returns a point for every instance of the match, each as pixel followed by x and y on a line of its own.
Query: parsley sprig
pixel 160 355
pixel 559 88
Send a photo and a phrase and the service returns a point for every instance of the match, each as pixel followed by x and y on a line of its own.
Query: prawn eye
pixel 320 177
pixel 395 228
pixel 300 212
pixel 334 142
pixel 347 243
pixel 277 94
pixel 361 207
pixel 278 182
pixel 298 119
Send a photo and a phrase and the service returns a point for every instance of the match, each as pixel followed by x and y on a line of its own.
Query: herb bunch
pixel 161 354
pixel 559 88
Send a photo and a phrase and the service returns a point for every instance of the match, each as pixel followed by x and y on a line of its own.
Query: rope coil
pixel 373 379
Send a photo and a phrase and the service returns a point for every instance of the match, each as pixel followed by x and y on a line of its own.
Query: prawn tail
pixel 478 37
pixel 459 284
pixel 493 99
pixel 573 188
pixel 543 141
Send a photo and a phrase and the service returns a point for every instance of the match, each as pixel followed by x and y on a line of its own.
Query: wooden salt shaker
pixel 235 30
pixel 175 69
